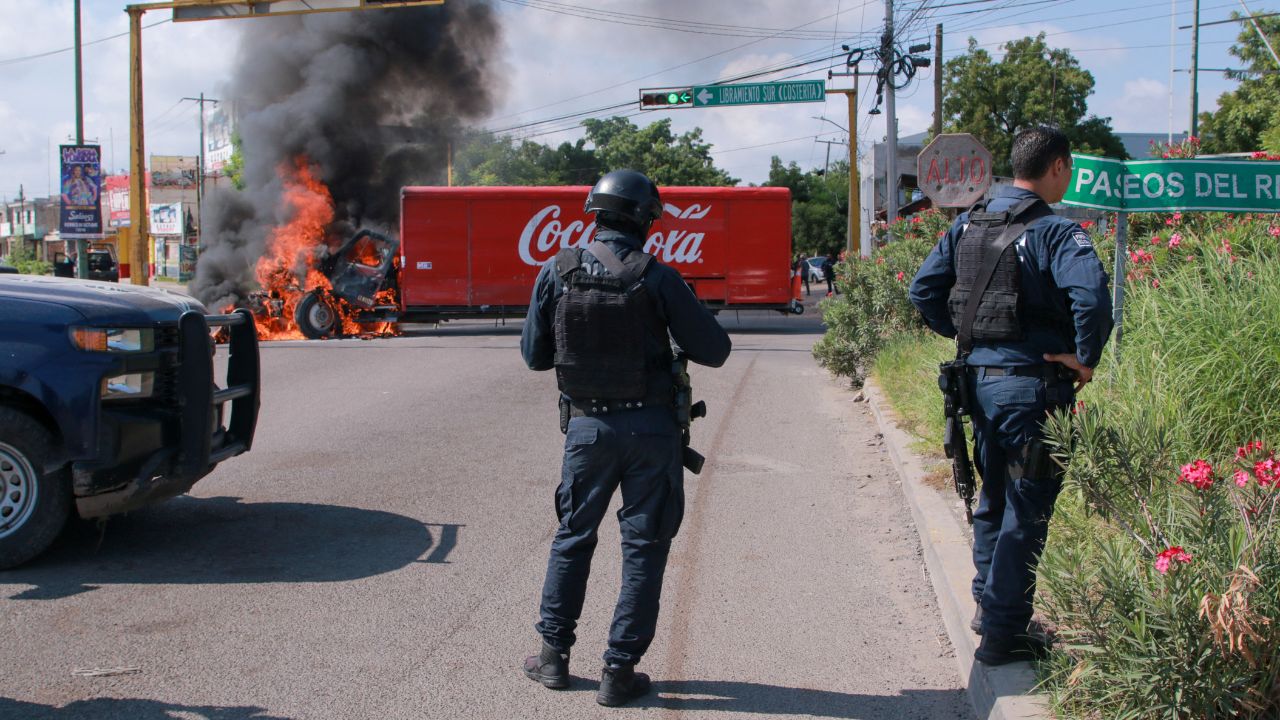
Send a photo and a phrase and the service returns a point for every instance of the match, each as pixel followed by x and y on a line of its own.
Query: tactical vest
pixel 986 261
pixel 601 323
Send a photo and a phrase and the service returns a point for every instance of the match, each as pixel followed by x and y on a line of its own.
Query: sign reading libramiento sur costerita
pixel 1163 185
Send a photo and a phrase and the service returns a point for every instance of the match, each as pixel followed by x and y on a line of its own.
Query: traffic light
pixel 666 98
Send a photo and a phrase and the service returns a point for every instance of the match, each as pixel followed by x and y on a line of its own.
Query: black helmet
pixel 626 196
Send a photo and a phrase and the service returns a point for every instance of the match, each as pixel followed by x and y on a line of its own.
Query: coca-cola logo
pixel 545 235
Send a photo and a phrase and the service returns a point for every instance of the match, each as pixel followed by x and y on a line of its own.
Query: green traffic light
pixel 673 98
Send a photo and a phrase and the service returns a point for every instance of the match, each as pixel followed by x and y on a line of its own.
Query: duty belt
pixel 1049 372
pixel 593 408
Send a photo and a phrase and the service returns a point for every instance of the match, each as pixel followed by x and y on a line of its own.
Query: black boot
pixel 620 684
pixel 1005 649
pixel 549 667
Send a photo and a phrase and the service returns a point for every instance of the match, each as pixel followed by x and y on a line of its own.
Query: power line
pixel 49 53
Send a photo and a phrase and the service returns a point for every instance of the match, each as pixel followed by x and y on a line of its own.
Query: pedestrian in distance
pixel 829 271
pixel 1025 295
pixel 604 318
pixel 802 267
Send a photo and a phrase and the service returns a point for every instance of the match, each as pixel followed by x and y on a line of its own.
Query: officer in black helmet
pixel 1025 296
pixel 604 318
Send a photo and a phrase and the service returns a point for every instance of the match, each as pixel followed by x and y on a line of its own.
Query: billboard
pixel 217 141
pixel 173 171
pixel 166 218
pixel 80 212
pixel 115 191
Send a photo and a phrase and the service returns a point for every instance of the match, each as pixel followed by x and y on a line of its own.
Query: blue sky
pixel 556 62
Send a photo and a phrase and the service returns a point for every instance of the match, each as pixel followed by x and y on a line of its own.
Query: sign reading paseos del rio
pixel 1161 185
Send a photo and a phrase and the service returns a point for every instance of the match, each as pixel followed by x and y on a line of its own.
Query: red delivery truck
pixel 476 251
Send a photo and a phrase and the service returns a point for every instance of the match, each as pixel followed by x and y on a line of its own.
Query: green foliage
pixel 819 205
pixel 872 305
pixel 1031 84
pixel 487 159
pixel 24 259
pixel 1247 118
pixel 906 368
pixel 666 158
pixel 235 164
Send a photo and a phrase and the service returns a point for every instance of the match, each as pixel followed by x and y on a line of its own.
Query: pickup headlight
pixel 130 386
pixel 116 340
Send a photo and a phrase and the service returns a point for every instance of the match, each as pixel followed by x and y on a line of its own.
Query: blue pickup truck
pixel 109 401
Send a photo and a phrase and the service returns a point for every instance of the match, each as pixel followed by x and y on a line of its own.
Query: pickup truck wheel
pixel 315 317
pixel 36 501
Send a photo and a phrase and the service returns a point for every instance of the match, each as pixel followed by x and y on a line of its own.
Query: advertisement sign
pixel 217 141
pixel 173 171
pixel 115 189
pixel 80 214
pixel 166 218
pixel 186 262
pixel 1166 185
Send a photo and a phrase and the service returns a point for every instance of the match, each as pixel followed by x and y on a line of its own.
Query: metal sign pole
pixel 1117 301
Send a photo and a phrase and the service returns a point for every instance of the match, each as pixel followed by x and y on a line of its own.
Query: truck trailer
pixel 474 252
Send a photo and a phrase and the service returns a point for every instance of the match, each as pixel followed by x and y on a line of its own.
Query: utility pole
pixel 937 80
pixel 826 166
pixel 887 52
pixel 82 245
pixel 1195 69
pixel 139 234
pixel 200 160
pixel 855 187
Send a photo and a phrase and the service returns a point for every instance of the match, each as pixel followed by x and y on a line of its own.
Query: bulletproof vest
pixel 601 323
pixel 986 261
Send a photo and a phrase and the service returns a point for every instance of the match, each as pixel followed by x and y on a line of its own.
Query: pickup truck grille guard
pixel 198 453
pixel 203 442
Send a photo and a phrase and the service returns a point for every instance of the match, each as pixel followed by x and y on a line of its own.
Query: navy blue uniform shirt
pixel 1061 277
pixel 692 326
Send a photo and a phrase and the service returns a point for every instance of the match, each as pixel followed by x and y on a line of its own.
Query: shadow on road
pixel 127 709
pixel 191 540
pixel 758 698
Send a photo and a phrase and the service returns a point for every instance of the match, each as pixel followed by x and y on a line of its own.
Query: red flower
pixel 901 276
pixel 1267 471
pixel 1155 239
pixel 1274 230
pixel 1086 224
pixel 879 261
pixel 1155 282
pixel 1259 155
pixel 1242 478
pixel 1198 474
pixel 1172 555
pixel 916 218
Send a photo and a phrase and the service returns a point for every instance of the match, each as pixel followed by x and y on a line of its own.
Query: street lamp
pixel 833 122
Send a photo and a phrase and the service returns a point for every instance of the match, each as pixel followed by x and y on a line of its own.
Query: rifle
pixel 956 408
pixel 686 412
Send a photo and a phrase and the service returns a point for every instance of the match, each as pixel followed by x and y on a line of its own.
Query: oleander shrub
pixel 872 303
pixel 1162 571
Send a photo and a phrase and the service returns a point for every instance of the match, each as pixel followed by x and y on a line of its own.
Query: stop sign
pixel 954 170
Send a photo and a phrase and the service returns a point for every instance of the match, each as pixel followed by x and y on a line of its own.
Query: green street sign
pixel 1162 185
pixel 760 93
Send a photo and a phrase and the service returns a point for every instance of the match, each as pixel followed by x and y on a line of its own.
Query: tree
pixel 819 205
pixel 666 158
pixel 486 159
pixel 1247 118
pixel 1032 84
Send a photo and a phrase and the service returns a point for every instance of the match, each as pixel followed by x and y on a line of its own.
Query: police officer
pixel 604 318
pixel 1031 341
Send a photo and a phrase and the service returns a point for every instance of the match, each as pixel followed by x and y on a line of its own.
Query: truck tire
pixel 315 317
pixel 36 501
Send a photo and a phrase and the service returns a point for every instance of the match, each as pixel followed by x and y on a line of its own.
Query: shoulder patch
pixel 1082 238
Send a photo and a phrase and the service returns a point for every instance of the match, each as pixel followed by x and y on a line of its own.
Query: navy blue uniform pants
pixel 639 451
pixel 1012 519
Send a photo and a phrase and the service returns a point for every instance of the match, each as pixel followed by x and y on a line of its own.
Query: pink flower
pixel 1165 156
pixel 1247 449
pixel 1242 478
pixel 1175 240
pixel 1168 221
pixel 1191 258
pixel 1177 217
pixel 901 276
pixel 916 218
pixel 1275 231
pixel 1174 554
pixel 1155 282
pixel 1267 471
pixel 1198 474
pixel 1259 155
pixel 1086 224
pixel 1155 239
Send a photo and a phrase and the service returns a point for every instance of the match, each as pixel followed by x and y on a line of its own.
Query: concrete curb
pixel 999 693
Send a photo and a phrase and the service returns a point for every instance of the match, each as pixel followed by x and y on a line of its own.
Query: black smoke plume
pixel 371 99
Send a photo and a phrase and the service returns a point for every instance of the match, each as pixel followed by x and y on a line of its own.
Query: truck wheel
pixel 36 501
pixel 315 317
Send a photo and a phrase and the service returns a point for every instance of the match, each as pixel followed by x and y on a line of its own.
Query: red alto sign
pixel 954 170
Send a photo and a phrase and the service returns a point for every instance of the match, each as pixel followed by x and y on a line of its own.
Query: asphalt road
pixel 380 552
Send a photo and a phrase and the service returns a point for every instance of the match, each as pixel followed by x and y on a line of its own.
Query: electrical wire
pixel 49 53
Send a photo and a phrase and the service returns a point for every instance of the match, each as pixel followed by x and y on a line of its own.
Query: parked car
pixel 815 269
pixel 109 401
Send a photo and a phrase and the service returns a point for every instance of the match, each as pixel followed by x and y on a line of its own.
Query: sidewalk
pixel 999 693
